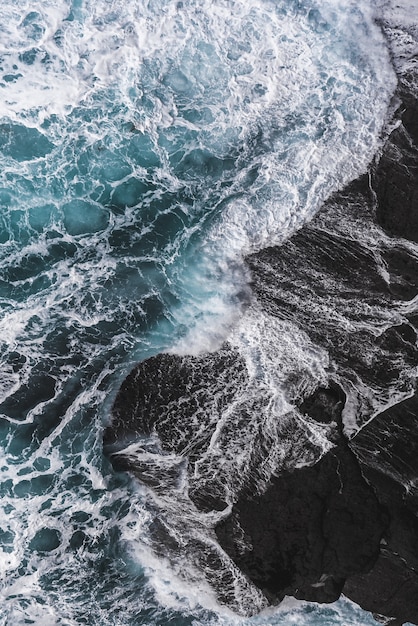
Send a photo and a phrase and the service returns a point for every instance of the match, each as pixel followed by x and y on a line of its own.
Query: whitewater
pixel 145 149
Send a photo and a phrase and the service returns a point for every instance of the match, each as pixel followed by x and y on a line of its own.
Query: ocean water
pixel 145 148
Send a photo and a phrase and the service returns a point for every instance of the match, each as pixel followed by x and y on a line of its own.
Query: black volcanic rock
pixel 395 178
pixel 340 279
pixel 310 531
pixel 172 404
pixel 166 394
pixel 389 589
pixel 348 522
pixel 387 449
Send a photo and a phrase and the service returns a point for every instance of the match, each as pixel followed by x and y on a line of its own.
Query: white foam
pixel 400 24
pixel 319 120
pixel 302 168
pixel 249 80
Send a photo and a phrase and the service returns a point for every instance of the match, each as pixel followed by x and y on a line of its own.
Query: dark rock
pixel 309 531
pixel 349 522
pixel 342 287
pixel 166 393
pixel 403 270
pixel 325 405
pixel 395 178
pixel 313 527
pixel 387 450
pixel 390 589
pixel 172 404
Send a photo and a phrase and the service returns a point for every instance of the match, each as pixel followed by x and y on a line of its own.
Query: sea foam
pixel 145 149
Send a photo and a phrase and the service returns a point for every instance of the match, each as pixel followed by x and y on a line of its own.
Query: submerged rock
pixel 172 404
pixel 167 393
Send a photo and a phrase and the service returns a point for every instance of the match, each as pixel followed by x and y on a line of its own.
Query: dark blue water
pixel 145 148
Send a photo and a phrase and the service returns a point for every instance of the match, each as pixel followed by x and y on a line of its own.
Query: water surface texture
pixel 145 148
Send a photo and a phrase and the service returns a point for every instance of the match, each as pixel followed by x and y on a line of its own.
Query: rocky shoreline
pixel 347 523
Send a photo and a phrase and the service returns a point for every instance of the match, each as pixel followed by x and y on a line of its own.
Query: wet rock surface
pixel 150 397
pixel 168 409
pixel 312 528
pixel 347 525
pixel 349 522
pixel 387 451
pixel 343 280
pixel 395 178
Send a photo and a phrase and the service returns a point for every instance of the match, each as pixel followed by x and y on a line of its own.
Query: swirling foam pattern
pixel 144 148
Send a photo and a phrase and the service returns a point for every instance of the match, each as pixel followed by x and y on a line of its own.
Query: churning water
pixel 145 148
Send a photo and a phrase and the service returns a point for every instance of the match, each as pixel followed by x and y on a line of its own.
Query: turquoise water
pixel 145 148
